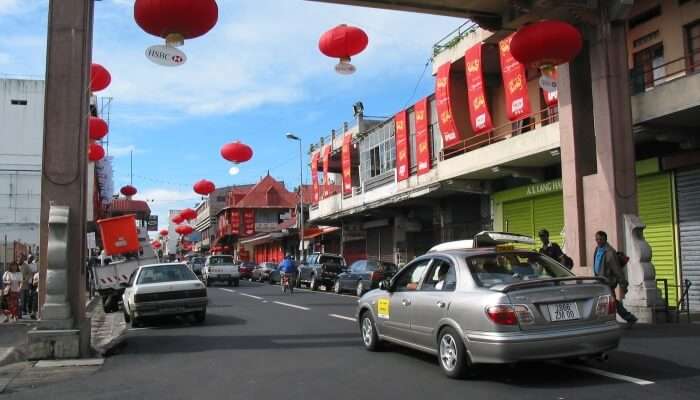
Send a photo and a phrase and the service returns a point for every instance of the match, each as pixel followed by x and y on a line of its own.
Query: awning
pixel 316 232
pixel 263 238
pixel 125 206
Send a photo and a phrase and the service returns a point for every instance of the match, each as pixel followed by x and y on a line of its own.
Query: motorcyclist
pixel 289 268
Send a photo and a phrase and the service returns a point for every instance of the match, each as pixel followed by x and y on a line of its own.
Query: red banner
pixel 448 128
pixel 314 177
pixel 249 221
pixel 479 115
pixel 551 98
pixel 403 166
pixel 422 136
pixel 235 222
pixel 326 159
pixel 347 163
pixel 514 83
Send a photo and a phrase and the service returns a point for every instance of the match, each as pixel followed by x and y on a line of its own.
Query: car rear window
pixel 165 273
pixel 220 260
pixel 381 267
pixel 503 268
pixel 331 260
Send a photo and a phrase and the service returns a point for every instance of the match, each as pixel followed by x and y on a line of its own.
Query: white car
pixel 164 289
pixel 221 268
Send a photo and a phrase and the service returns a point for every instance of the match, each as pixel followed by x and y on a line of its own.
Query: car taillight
pixel 606 305
pixel 510 315
pixel 376 276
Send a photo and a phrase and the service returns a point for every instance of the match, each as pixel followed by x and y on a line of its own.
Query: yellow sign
pixel 420 115
pixel 473 66
pixel 445 117
pixel 383 308
pixel 515 84
pixel 441 83
pixel 479 102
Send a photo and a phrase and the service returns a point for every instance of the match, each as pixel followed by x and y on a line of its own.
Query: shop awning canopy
pixel 313 232
pixel 126 206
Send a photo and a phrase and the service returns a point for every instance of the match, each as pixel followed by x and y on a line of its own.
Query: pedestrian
pixel 289 270
pixel 606 264
pixel 552 250
pixel 12 281
pixel 35 295
pixel 25 268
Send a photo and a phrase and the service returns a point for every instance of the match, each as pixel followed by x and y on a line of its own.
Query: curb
pixel 12 355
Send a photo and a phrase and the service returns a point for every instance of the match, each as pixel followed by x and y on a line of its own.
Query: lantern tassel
pixel 174 40
pixel 344 67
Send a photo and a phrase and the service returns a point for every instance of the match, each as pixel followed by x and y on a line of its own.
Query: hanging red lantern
pixel 204 187
pixel 163 232
pixel 177 219
pixel 128 190
pixel 236 152
pixel 343 42
pixel 184 229
pixel 188 214
pixel 546 44
pixel 97 127
pixel 99 78
pixel 176 20
pixel 95 152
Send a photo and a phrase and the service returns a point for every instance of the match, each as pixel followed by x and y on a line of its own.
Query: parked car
pixel 196 264
pixel 490 305
pixel 320 269
pixel 163 289
pixel 364 275
pixel 246 269
pixel 221 268
pixel 262 271
pixel 275 276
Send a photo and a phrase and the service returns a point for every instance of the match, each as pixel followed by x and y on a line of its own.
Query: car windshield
pixel 312 259
pixel 198 261
pixel 165 273
pixel 220 260
pixel 503 268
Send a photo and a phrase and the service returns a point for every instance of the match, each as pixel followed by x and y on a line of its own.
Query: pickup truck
pixel 321 269
pixel 221 268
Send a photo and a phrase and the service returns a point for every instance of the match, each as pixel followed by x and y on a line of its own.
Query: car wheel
pixel 298 282
pixel 360 290
pixel 368 330
pixel 314 283
pixel 336 287
pixel 200 316
pixel 452 354
pixel 236 282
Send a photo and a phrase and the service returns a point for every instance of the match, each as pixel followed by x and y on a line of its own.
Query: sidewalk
pixel 13 341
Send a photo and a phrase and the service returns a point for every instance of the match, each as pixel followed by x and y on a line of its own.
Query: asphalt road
pixel 260 344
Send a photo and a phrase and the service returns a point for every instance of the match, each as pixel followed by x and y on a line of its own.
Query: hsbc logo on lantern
pixel 166 56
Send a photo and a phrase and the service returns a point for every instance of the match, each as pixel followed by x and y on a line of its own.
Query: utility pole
pixel 64 156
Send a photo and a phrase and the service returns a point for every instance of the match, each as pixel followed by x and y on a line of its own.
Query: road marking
pixel 610 374
pixel 138 329
pixel 328 293
pixel 251 296
pixel 342 317
pixel 228 290
pixel 265 301
pixel 292 305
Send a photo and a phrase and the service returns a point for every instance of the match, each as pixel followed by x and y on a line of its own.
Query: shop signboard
pixel 422 136
pixel 403 170
pixel 479 115
pixel 448 128
pixel 514 83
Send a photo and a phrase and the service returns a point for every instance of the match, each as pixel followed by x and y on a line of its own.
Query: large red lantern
pixel 188 214
pixel 176 20
pixel 99 78
pixel 177 219
pixel 184 229
pixel 95 152
pixel 204 187
pixel 163 232
pixel 236 152
pixel 128 190
pixel 97 128
pixel 343 42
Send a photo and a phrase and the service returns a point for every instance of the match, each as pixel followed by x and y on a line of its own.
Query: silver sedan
pixel 490 306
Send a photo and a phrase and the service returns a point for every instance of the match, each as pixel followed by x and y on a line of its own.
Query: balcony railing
pixel 451 39
pixel 531 122
pixel 646 77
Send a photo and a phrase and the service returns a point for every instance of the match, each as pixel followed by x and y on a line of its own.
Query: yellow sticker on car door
pixel 383 308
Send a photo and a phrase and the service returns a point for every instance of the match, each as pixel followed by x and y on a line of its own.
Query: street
pixel 260 344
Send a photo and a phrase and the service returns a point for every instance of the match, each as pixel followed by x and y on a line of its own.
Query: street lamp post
pixel 302 257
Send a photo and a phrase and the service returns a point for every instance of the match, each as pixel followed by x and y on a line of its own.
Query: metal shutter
pixel 517 217
pixel 548 213
pixel 688 189
pixel 655 198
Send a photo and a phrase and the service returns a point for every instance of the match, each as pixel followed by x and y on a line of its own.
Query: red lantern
pixel 156 245
pixel 99 78
pixel 236 152
pixel 128 190
pixel 163 232
pixel 204 187
pixel 95 152
pixel 343 42
pixel 97 128
pixel 188 214
pixel 546 44
pixel 184 229
pixel 177 219
pixel 176 20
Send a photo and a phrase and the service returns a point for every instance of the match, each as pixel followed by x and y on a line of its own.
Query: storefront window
pixel 378 151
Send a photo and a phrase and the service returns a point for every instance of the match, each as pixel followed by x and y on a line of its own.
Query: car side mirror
pixel 385 285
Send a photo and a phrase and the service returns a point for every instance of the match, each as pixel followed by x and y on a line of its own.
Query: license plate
pixel 224 276
pixel 173 310
pixel 563 312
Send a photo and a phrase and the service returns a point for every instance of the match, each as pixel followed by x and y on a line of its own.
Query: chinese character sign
pixel 402 156
pixel 422 136
pixel 514 83
pixel 448 128
pixel 479 115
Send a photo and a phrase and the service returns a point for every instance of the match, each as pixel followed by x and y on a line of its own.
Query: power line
pixel 415 89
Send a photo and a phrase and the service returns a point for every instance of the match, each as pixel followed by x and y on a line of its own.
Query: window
pixel 378 151
pixel 410 277
pixel 18 102
pixel 646 39
pixel 220 260
pixel 435 133
pixel 504 268
pixel 357 266
pixel 381 266
pixel 692 36
pixel 648 70
pixel 442 277
pixel 645 16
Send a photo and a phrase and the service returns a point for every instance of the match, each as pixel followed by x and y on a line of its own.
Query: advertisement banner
pixel 235 222
pixel 479 116
pixel 403 166
pixel 551 97
pixel 347 163
pixel 326 159
pixel 249 222
pixel 314 177
pixel 514 83
pixel 422 136
pixel 448 128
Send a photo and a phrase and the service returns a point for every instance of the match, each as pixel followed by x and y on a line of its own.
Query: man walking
pixel 607 265
pixel 553 250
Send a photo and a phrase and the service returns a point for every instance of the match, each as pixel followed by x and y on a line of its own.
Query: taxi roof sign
pixel 484 239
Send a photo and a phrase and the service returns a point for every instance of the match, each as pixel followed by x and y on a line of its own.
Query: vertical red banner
pixel 422 136
pixel 235 222
pixel 551 97
pixel 448 128
pixel 249 221
pixel 326 159
pixel 479 115
pixel 403 166
pixel 314 177
pixel 347 163
pixel 514 83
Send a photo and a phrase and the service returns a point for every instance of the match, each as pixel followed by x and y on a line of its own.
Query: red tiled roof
pixel 268 193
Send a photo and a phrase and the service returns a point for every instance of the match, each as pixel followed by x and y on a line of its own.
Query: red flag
pixel 326 159
pixel 347 163
pixel 448 128
pixel 314 177
pixel 422 136
pixel 514 83
pixel 235 222
pixel 249 222
pixel 403 166
pixel 479 115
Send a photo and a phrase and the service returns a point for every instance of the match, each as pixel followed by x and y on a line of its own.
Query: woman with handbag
pixel 12 280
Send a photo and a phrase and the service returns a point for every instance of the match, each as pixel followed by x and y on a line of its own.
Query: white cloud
pixel 9 7
pixel 123 151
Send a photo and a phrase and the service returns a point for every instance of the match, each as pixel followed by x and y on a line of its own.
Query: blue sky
pixel 257 75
